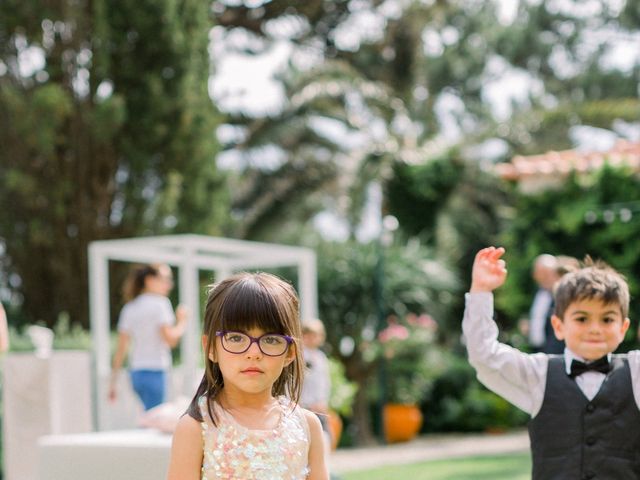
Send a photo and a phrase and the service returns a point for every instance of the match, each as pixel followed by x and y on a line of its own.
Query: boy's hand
pixel 489 270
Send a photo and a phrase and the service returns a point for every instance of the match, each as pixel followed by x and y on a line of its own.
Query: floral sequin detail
pixel 234 452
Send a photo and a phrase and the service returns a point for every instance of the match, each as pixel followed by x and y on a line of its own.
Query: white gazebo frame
pixel 190 254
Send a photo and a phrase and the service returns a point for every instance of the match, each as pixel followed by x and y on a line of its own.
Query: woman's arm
pixel 4 331
pixel 118 360
pixel 171 334
pixel 186 450
pixel 317 456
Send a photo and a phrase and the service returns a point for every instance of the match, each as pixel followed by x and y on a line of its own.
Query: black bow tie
pixel 601 365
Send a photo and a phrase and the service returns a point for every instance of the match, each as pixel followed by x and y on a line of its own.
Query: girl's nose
pixel 254 350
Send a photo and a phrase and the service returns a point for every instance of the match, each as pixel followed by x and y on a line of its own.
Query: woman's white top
pixel 142 319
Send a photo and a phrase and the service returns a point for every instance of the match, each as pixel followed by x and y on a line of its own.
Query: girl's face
pixel 251 372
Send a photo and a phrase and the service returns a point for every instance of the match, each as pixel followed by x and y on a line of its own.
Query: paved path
pixel 428 447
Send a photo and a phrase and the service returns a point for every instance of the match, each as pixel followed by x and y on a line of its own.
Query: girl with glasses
pixel 244 421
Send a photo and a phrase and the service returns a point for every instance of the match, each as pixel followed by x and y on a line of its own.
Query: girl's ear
pixel 211 354
pixel 291 355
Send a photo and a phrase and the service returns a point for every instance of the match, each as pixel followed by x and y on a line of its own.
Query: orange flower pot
pixel 401 422
pixel 335 427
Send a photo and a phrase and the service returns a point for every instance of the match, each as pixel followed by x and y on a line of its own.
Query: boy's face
pixel 591 328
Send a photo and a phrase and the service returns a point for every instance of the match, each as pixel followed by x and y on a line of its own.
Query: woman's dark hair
pixel 134 283
pixel 242 302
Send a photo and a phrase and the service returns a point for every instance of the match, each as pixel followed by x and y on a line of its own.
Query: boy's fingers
pixel 485 252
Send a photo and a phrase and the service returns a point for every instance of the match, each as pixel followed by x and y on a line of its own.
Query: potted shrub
pixel 340 400
pixel 411 361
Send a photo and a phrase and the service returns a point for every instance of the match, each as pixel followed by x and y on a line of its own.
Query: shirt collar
pixel 569 356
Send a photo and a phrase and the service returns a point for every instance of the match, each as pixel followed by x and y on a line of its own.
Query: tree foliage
pixel 596 215
pixel 107 131
pixel 360 286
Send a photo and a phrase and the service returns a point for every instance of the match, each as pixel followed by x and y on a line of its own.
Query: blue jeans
pixel 150 385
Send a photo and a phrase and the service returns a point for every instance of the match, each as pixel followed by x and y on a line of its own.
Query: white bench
pixel 122 455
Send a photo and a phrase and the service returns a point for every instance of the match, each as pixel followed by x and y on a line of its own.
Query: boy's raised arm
pixel 489 270
pixel 514 375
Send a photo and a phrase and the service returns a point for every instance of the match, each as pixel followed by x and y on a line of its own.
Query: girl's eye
pixel 272 340
pixel 235 338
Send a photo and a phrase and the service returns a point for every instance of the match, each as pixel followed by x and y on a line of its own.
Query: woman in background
pixel 4 331
pixel 148 325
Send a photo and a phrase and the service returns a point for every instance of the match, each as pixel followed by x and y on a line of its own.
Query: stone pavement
pixel 428 447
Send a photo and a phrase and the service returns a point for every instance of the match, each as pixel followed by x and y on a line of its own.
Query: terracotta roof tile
pixel 549 165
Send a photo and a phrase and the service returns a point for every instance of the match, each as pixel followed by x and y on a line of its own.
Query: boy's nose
pixel 594 327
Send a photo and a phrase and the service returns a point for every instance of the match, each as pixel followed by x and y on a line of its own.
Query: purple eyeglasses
pixel 270 344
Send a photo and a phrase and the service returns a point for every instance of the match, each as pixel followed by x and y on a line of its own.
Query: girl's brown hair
pixel 242 302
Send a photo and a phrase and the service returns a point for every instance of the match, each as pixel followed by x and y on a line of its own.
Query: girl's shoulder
pixel 188 428
pixel 186 449
pixel 308 419
pixel 312 420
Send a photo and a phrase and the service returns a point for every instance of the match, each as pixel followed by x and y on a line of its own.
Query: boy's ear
pixel 211 355
pixel 558 327
pixel 626 323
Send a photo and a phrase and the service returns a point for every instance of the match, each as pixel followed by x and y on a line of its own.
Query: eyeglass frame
pixel 256 340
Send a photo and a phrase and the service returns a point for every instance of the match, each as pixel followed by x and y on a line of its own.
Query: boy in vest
pixel 585 403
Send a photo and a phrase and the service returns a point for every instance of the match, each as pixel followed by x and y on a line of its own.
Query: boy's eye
pixel 581 319
pixel 608 320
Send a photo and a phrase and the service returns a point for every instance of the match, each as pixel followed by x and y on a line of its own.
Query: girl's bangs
pixel 249 305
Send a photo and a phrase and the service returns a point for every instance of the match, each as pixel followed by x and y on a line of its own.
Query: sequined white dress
pixel 234 452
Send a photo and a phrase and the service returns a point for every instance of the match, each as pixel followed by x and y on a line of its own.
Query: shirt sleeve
pixel 326 378
pixel 634 366
pixel 124 320
pixel 166 317
pixel 518 377
pixel 538 317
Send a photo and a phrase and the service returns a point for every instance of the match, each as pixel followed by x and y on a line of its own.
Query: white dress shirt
pixel 538 317
pixel 516 376
pixel 317 381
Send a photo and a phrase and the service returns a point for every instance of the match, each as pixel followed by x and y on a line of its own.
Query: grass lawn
pixel 499 467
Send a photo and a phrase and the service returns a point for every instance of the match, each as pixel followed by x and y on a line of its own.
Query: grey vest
pixel 573 438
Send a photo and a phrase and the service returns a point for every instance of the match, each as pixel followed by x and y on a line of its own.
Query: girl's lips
pixel 252 370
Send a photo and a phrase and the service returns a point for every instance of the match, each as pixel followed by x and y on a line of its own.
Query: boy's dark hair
pixel 593 280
